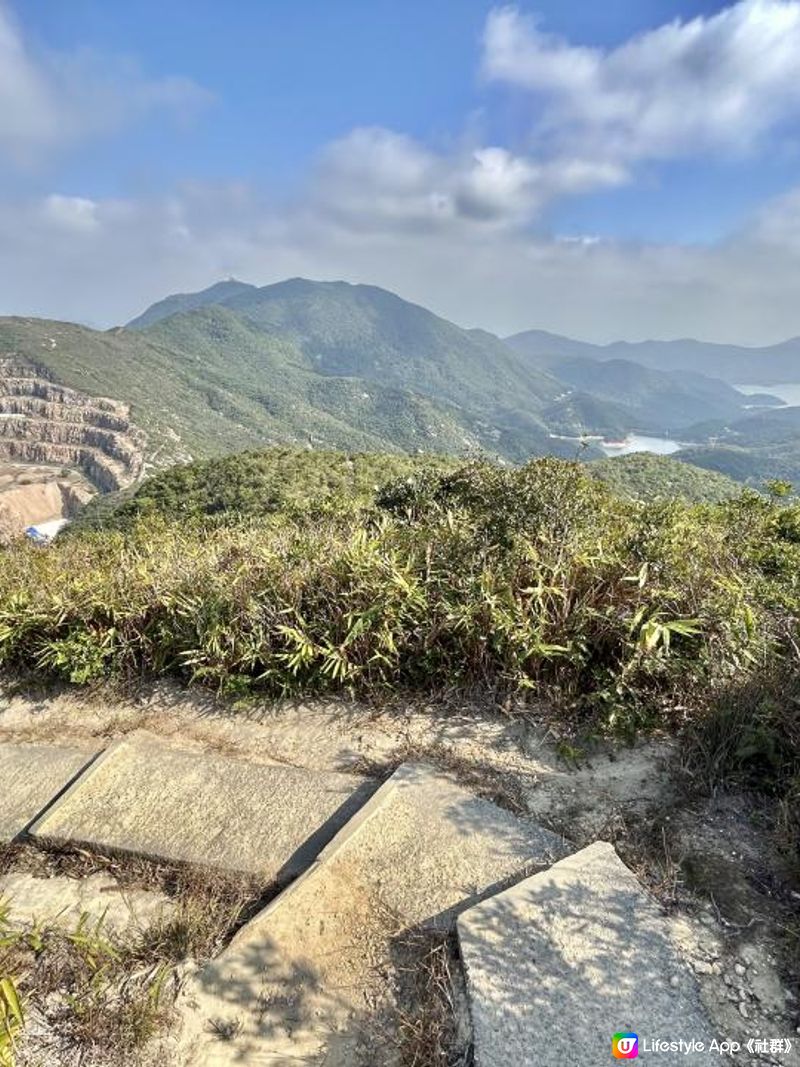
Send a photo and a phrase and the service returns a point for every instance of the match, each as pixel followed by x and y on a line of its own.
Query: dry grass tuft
pixel 430 1020
pixel 647 845
pixel 481 777
pixel 91 996
pixel 79 983
pixel 211 907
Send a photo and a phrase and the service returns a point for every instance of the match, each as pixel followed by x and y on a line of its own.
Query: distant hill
pixel 483 396
pixel 265 383
pixel 752 430
pixel 322 365
pixel 366 332
pixel 753 466
pixel 178 302
pixel 643 476
pixel 760 447
pixel 573 412
pixel 647 400
pixel 735 364
pixel 330 365
pixel 396 373
pixel 208 381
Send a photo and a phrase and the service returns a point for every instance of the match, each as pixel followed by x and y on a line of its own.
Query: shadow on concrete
pixel 556 971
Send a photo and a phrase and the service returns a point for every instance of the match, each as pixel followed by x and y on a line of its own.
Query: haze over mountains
pixel 331 364
pixel 735 364
pixel 367 332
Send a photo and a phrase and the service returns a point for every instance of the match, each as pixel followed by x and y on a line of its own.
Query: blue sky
pixel 290 77
pixel 623 169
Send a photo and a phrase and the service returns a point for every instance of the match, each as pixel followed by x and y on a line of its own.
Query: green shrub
pixel 532 581
pixel 254 484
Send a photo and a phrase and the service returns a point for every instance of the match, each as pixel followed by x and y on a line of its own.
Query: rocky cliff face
pixel 44 422
pixel 57 411
pixel 26 504
pixel 104 473
pixel 20 379
pixel 31 494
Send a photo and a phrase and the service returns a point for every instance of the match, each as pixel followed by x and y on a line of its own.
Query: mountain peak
pixel 218 293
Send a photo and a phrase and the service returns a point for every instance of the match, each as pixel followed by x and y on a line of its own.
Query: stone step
pixel 562 961
pixel 311 975
pixel 97 900
pixel 146 798
pixel 31 777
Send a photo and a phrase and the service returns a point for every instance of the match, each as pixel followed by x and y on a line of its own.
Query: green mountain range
pixel 735 364
pixel 667 402
pixel 212 380
pixel 354 367
pixel 324 365
pixel 761 446
pixel 663 379
pixel 365 332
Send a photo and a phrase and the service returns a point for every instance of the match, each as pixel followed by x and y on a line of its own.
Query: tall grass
pixel 533 581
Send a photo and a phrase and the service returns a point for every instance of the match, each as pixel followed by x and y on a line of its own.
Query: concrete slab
pixel 316 972
pixel 562 961
pixel 31 776
pixel 147 798
pixel 62 901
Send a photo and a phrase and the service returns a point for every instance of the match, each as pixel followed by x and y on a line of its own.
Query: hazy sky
pixel 627 169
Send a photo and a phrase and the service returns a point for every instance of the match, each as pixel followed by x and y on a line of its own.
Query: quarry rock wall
pixel 47 423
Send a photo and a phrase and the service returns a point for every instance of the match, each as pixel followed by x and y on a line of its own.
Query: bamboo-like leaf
pixel 9 998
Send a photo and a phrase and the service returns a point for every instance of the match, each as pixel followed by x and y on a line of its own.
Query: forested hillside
pixel 290 480
pixel 315 364
pixel 735 364
pixel 208 382
pixel 644 476
pixel 328 365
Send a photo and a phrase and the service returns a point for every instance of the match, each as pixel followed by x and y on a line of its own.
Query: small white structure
pixel 44 532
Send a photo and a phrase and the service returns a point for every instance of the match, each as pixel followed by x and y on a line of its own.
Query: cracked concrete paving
pixel 148 798
pixel 31 776
pixel 309 980
pixel 61 901
pixel 563 960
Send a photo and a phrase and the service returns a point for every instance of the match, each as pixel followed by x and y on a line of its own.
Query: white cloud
pixel 451 228
pixel 71 212
pixel 716 83
pixel 54 262
pixel 497 184
pixel 49 100
pixel 713 84
pixel 376 179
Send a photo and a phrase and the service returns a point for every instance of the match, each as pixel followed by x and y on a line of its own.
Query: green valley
pixel 354 368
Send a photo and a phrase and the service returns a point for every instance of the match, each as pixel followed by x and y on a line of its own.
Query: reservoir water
pixel 789 393
pixel 662 446
pixel 635 442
